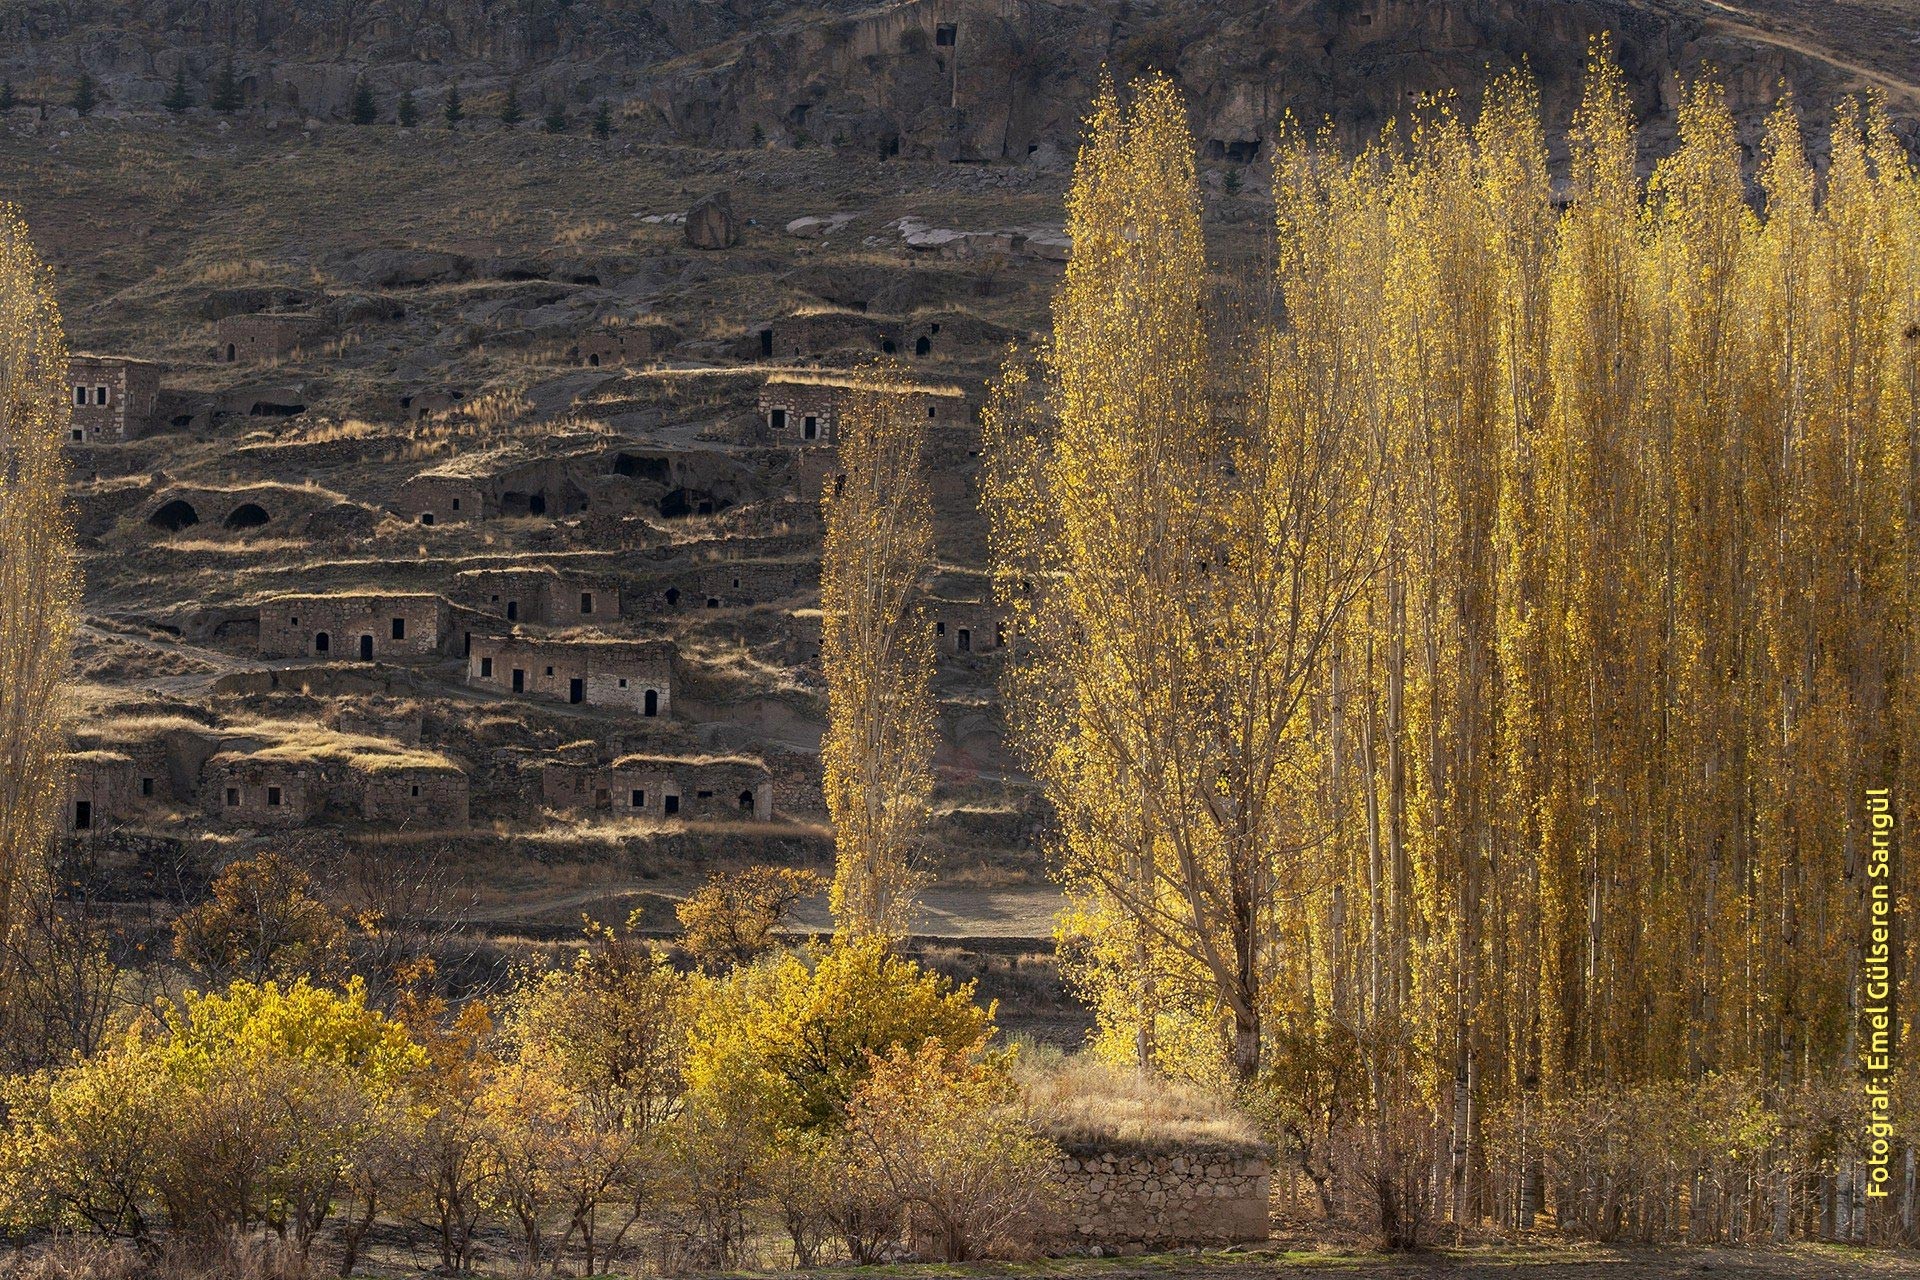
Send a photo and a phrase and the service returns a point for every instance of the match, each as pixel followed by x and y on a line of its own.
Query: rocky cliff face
pixel 962 80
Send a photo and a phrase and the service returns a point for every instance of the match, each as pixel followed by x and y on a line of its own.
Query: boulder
pixel 711 224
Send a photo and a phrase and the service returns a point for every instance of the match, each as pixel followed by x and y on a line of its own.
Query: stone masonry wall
pixel 1115 1197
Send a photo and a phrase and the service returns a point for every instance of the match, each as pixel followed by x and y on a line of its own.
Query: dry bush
pixel 1080 1098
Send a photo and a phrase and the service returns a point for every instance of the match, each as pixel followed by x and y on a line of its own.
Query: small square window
pixel 146 786
pixel 99 395
pixel 399 628
pixel 273 796
pixel 79 435
pixel 623 682
pixel 416 790
pixel 456 504
pixel 549 670
pixel 233 797
pixel 486 668
pixel 79 395
pixel 639 799
pixel 586 602
pixel 704 795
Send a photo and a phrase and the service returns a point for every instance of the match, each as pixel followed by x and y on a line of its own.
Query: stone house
pixel 636 675
pixel 541 596
pixel 738 584
pixel 254 790
pixel 804 409
pixel 349 627
pixel 266 335
pixel 626 344
pixel 102 788
pixel 566 785
pixel 963 627
pixel 431 498
pixel 411 794
pixel 723 788
pixel 114 398
pixel 488 486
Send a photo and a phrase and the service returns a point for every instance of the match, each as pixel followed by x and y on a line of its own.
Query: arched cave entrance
pixel 248 515
pixel 174 516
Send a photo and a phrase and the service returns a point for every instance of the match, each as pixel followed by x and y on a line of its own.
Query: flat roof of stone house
pixel 640 760
pixel 850 381
pixel 102 358
pixel 322 596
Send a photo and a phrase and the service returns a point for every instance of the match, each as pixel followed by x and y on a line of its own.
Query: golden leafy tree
pixel 39 583
pixel 877 648
pixel 1612 540
pixel 1177 531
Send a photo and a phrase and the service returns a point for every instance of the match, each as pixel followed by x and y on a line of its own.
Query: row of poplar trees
pixel 1458 651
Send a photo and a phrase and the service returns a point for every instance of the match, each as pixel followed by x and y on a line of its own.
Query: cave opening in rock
pixel 174 516
pixel 248 515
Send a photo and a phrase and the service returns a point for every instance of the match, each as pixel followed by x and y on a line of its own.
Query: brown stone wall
pixel 960 627
pixel 1167 1196
pixel 101 790
pixel 609 674
pixel 267 793
pixel 337 627
pixel 113 398
pixel 710 790
pixel 429 499
pixel 429 799
pixel 249 339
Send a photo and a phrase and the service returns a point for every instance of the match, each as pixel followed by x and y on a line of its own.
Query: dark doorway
pixel 650 706
pixel 639 799
pixel 537 505
pixel 322 642
pixel 672 805
pixel 923 346
pixel 366 648
pixel 576 690
pixel 513 611
pixel 519 680
pixel 399 628
pixel 231 353
pixel 83 815
pixel 174 516
pixel 673 597
pixel 248 515
pixel 963 640
pixel 746 801
pixel 766 342
pixel 810 428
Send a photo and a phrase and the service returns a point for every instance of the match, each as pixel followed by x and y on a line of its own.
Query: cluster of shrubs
pixel 832 1101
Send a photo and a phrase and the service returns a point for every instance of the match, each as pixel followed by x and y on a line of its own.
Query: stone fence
pixel 1116 1195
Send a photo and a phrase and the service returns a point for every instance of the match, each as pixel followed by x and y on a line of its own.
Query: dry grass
pixel 297 742
pixel 1077 1098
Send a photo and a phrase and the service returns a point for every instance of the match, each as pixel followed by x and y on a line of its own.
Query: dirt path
pixel 1748 26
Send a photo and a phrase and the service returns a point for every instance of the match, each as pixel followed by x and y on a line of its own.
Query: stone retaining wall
pixel 1172 1195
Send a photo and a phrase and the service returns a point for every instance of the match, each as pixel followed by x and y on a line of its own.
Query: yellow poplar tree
pixel 39 584
pixel 877 648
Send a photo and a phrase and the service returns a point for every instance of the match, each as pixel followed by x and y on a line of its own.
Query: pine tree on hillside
pixel 363 104
pixel 227 96
pixel 453 111
pixel 556 121
pixel 85 96
pixel 603 122
pixel 510 113
pixel 408 112
pixel 179 97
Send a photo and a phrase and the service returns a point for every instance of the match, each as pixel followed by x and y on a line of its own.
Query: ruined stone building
pixel 102 789
pixel 804 409
pixel 712 788
pixel 635 675
pixel 626 344
pixel 249 789
pixel 349 627
pixel 419 795
pixel 114 398
pixel 718 788
pixel 540 596
pixel 263 336
pixel 964 627
pixel 487 486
